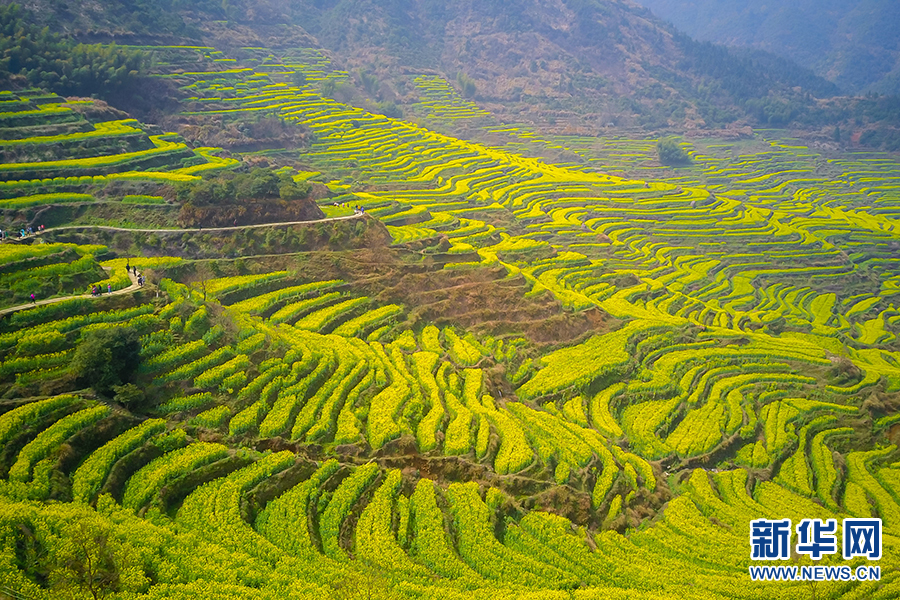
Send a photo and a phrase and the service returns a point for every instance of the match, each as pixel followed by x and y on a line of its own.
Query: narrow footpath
pixel 198 230
pixel 134 284
pixel 131 288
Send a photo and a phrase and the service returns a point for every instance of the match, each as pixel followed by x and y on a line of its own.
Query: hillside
pixel 589 62
pixel 852 43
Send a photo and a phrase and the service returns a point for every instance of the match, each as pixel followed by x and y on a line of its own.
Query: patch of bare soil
pixel 485 300
pixel 481 299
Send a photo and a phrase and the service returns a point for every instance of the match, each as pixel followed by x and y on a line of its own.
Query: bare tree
pixel 88 560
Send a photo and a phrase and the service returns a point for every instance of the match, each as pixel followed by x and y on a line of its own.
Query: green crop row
pixel 338 508
pixel 175 356
pixel 579 365
pixel 8 340
pixel 195 368
pixel 224 285
pixel 320 319
pixel 431 544
pixel 346 391
pixel 23 364
pixel 284 521
pixel 263 302
pixel 150 479
pixel 162 146
pixel 294 310
pixel 186 403
pixel 214 509
pixel 216 375
pixel 51 438
pixel 370 319
pixel 40 199
pixel 91 474
pixel 281 418
pixel 18 419
pixel 247 420
pixel 481 550
pixel 213 418
pixel 375 541
pixel 461 351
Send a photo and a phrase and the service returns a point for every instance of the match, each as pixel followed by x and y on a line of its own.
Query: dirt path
pixel 198 230
pixel 134 286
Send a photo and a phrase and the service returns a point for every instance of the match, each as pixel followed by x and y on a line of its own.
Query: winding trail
pixel 134 284
pixel 131 288
pixel 202 229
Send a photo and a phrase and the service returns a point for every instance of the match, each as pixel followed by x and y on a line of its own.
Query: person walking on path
pixel 109 288
pixel 32 298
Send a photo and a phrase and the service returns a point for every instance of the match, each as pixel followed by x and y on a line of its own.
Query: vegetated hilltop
pixel 850 42
pixel 611 59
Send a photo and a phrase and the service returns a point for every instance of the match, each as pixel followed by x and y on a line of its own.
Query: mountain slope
pixel 598 61
pixel 850 42
pixel 607 57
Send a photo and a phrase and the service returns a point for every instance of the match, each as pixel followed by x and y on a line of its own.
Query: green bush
pixel 671 153
pixel 466 84
pixel 107 358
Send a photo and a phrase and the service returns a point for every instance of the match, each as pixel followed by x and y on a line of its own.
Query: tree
pixel 107 358
pixel 128 395
pixel 88 559
pixel 298 78
pixel 671 152
pixel 45 59
pixel 200 276
pixel 263 184
pixel 390 109
pixel 369 82
pixel 466 84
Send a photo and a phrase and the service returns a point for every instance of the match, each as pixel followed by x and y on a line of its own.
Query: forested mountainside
pixel 853 43
pixel 604 61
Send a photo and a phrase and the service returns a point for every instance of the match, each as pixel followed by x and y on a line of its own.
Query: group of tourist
pixel 138 276
pixel 24 232
pixel 97 290
pixel 357 210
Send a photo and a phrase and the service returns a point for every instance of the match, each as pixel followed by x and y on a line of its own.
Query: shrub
pixel 107 358
pixel 671 153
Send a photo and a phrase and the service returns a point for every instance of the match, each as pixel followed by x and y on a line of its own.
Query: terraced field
pixel 311 436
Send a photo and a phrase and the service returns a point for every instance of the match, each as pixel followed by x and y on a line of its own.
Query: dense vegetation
pixel 243 187
pixel 32 56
